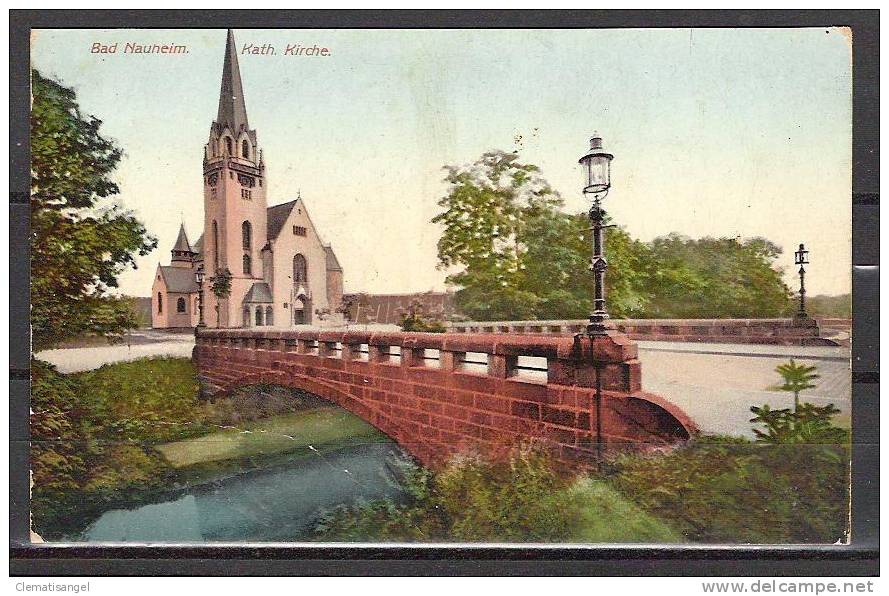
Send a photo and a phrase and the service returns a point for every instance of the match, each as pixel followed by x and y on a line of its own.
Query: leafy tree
pixel 485 214
pixel 715 277
pixel 80 243
pixel 797 377
pixel 514 254
pixel 221 286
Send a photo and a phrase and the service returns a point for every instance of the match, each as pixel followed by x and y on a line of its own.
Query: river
pixel 278 504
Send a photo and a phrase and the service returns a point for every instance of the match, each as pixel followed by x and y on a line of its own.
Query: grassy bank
pixel 119 435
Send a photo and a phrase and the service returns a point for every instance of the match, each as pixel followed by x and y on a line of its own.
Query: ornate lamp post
pixel 597 174
pixel 199 277
pixel 801 258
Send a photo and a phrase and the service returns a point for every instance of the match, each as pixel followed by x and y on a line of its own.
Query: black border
pixel 861 558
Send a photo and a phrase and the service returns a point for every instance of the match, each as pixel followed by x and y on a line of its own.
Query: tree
pixel 514 254
pixel 486 212
pixel 221 286
pixel 80 243
pixel 797 377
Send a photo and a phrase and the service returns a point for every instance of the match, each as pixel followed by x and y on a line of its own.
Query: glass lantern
pixel 199 275
pixel 597 167
pixel 801 257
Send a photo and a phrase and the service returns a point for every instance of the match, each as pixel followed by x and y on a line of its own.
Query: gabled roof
pixel 179 280
pixel 232 110
pixel 182 241
pixel 259 293
pixel 198 247
pixel 333 264
pixel 277 216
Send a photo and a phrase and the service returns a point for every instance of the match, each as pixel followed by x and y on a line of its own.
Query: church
pixel 282 273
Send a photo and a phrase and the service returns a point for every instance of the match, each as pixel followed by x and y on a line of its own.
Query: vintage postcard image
pixel 511 286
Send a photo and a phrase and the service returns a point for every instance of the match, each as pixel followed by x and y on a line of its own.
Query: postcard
pixel 441 286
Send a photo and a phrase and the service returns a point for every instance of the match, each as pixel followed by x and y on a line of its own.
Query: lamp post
pixel 199 277
pixel 801 258
pixel 597 174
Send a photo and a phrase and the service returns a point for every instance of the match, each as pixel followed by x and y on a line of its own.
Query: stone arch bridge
pixel 438 395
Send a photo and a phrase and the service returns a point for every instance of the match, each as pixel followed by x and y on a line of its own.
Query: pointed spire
pixel 182 244
pixel 232 110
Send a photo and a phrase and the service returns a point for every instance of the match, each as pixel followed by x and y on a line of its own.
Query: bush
pixel 722 489
pixel 92 434
pixel 475 500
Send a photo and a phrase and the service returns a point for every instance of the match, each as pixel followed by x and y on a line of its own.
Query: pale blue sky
pixel 715 132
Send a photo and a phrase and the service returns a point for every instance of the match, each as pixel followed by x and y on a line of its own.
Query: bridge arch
pixel 436 406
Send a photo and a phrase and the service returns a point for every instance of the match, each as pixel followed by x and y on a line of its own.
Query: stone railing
pixel 754 331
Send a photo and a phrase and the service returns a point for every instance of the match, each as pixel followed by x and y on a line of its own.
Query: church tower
pixel 234 195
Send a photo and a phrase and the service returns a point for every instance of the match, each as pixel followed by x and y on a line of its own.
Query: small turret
pixel 183 255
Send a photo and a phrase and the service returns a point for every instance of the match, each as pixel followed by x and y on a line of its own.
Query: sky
pixel 715 132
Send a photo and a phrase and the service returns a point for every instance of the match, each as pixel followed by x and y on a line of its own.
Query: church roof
pixel 182 241
pixel 333 264
pixel 277 216
pixel 232 110
pixel 259 292
pixel 179 279
pixel 198 247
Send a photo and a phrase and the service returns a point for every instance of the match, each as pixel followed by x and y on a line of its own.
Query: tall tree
pixel 80 241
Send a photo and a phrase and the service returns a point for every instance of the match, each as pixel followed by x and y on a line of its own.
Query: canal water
pixel 278 504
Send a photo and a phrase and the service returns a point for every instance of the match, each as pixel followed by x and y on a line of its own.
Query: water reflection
pixel 279 504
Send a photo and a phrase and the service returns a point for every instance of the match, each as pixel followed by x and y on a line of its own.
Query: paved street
pixel 714 383
pixel 717 383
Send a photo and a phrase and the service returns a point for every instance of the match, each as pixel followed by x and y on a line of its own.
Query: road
pixel 715 384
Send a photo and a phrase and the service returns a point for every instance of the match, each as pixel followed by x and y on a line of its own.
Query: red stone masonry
pixel 419 389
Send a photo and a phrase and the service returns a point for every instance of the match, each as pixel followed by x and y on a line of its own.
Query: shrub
pixel 722 489
pixel 519 499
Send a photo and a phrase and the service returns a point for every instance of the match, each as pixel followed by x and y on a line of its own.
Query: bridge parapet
pixel 440 394
pixel 744 331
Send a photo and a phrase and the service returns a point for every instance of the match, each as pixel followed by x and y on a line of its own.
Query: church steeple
pixel 232 110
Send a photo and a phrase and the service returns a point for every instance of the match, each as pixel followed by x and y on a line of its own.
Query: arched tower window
pixel 246 235
pixel 215 246
pixel 245 149
pixel 160 303
pixel 300 269
pixel 228 146
pixel 269 315
pixel 248 265
pixel 246 317
pixel 180 305
pixel 259 316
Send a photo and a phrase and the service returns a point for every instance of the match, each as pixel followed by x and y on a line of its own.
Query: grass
pixel 605 516
pixel 278 434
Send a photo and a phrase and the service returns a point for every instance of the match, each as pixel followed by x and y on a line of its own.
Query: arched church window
pixel 228 146
pixel 300 269
pixel 246 235
pixel 160 303
pixel 259 316
pixel 269 316
pixel 215 246
pixel 248 265
pixel 246 317
pixel 245 149
pixel 180 305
